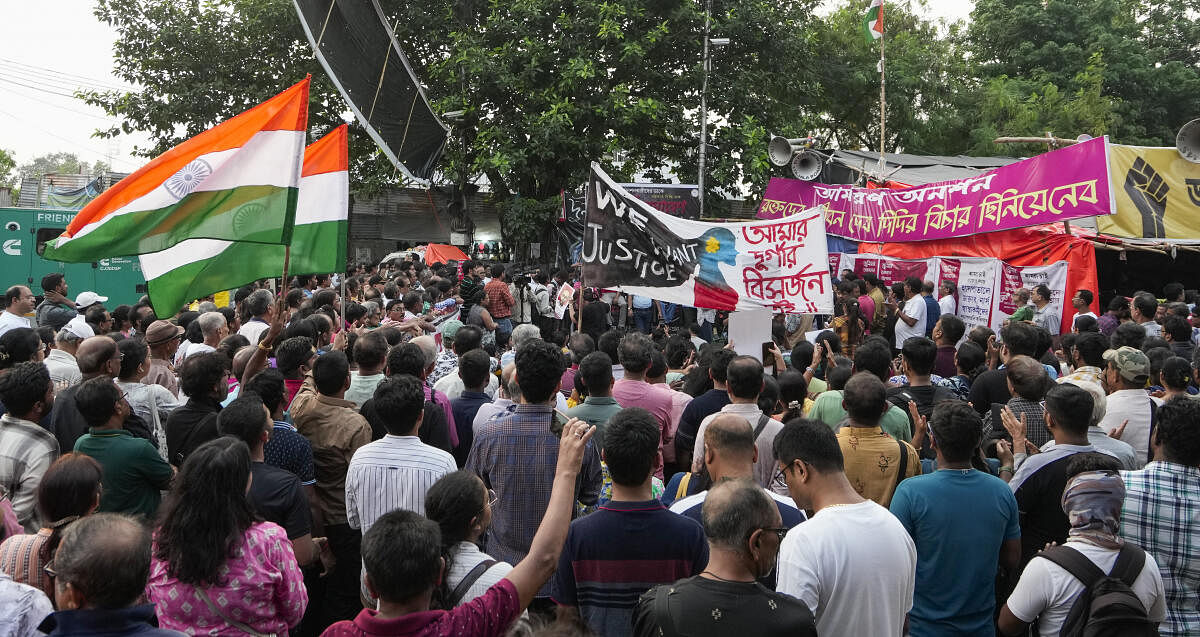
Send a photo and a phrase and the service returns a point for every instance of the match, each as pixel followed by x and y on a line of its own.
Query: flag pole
pixel 287 257
pixel 342 311
pixel 882 95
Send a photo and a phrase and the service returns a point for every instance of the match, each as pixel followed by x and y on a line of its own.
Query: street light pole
pixel 704 106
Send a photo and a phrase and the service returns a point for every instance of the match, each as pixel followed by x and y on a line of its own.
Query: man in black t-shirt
pixel 1018 339
pixel 742 525
pixel 917 357
pixel 274 493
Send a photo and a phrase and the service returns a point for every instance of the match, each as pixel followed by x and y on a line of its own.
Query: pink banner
pixel 1062 184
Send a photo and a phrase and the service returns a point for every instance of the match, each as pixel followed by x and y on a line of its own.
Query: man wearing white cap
pixel 64 369
pixel 88 299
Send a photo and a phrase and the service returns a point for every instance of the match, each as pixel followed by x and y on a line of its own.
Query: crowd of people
pixel 460 449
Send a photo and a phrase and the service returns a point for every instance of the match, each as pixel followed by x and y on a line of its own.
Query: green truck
pixel 23 240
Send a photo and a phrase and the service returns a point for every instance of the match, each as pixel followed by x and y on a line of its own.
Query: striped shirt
pixel 392 473
pixel 1161 515
pixel 20 559
pixel 619 552
pixel 26 451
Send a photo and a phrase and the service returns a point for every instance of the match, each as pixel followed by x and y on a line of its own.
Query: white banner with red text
pixel 984 285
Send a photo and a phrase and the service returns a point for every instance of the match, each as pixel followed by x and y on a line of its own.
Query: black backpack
pixel 1108 606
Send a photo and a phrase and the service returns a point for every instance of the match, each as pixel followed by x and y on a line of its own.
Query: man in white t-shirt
pixel 1082 302
pixel 18 301
pixel 946 302
pixel 852 562
pixel 1047 590
pixel 911 318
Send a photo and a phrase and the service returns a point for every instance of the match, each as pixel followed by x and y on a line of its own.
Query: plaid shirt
pixel 498 299
pixel 1035 423
pixel 516 455
pixel 1162 515
pixel 26 451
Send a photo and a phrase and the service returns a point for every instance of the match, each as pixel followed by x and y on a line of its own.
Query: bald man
pixel 97 356
pixel 730 454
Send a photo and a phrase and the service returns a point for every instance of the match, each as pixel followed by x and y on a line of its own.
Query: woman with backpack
pixel 461 506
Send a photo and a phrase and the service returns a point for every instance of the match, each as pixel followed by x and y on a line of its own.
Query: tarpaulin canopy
pixel 441 253
pixel 1035 245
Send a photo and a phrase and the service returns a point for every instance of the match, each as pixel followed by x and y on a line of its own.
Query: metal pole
pixel 704 106
pixel 882 107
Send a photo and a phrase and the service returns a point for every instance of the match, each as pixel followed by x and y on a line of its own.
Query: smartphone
pixel 767 354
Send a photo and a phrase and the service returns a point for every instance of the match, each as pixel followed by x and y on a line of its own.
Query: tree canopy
pixel 548 86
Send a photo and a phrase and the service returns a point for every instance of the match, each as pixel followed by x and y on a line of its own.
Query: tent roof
pixel 918 170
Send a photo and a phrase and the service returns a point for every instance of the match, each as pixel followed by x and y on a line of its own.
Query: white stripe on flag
pixel 183 253
pixel 269 158
pixel 323 197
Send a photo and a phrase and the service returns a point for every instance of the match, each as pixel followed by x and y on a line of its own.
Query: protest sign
pixel 630 246
pixel 1053 276
pixel 985 285
pixel 1062 184
pixel 677 200
pixel 1157 193
pixel 890 270
pixel 975 278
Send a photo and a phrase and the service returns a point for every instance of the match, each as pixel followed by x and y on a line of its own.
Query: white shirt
pixel 488 410
pixel 392 473
pixel 9 321
pixel 698 342
pixel 947 304
pixel 452 386
pixel 467 556
pixel 1132 405
pixel 1048 590
pixel 855 567
pixel 913 308
pixel 64 370
pixel 764 468
pixel 253 330
pixel 1079 314
pixel 199 348
pixel 1152 329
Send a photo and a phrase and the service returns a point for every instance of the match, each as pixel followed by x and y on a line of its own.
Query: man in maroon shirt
pixel 947 333
pixel 499 303
pixel 403 560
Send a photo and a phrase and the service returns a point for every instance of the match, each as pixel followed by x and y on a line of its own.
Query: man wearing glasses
pixel 851 551
pixel 744 533
pixel 97 357
pixel 729 452
pixel 134 474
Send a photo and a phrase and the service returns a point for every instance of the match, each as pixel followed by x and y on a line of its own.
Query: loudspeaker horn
pixel 780 149
pixel 807 165
pixel 1188 141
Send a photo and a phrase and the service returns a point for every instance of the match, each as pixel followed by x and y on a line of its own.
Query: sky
pixel 46 54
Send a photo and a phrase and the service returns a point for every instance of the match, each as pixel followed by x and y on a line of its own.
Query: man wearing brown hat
pixel 163 339
pixel 1125 375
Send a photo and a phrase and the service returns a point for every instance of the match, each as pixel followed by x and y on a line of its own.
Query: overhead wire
pixel 67 76
pixel 72 142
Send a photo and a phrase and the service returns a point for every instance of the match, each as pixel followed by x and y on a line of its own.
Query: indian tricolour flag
pixel 873 22
pixel 236 181
pixel 198 267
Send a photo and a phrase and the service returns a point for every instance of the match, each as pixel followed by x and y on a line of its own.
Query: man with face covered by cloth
pixel 1048 587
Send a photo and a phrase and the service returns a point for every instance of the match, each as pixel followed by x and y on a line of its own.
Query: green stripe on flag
pixel 319 248
pixel 253 214
pixel 238 265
